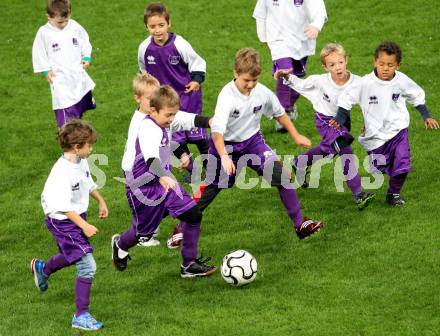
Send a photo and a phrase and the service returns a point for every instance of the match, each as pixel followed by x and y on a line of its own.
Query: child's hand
pixel 50 76
pixel 192 86
pixel 85 64
pixel 89 230
pixel 311 32
pixel 282 73
pixel 103 211
pixel 333 123
pixel 303 141
pixel 185 159
pixel 167 183
pixel 227 164
pixel 431 123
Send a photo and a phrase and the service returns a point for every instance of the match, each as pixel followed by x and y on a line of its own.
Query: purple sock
pixel 396 183
pixel 82 295
pixel 354 183
pixel 305 160
pixel 128 239
pixel 291 203
pixel 191 233
pixel 54 264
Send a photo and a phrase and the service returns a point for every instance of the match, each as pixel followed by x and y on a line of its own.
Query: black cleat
pixel 119 263
pixel 395 200
pixel 197 268
pixel 363 199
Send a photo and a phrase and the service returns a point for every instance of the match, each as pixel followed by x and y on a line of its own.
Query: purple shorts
pixel 330 134
pixel 184 137
pixel 253 153
pixel 75 111
pixel 150 204
pixel 393 157
pixel 71 241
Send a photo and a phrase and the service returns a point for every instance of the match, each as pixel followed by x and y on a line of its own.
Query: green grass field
pixel 374 272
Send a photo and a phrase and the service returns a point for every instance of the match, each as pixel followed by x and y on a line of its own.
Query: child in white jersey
pixel 382 96
pixel 151 190
pixel 65 200
pixel 237 141
pixel 323 91
pixel 62 53
pixel 290 28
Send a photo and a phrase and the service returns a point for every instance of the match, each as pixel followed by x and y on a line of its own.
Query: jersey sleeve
pixel 40 58
pixel 260 10
pixel 274 108
pixel 141 53
pixel 316 12
pixel 305 87
pixel 86 48
pixel 350 96
pixel 183 121
pixel 189 56
pixel 413 93
pixel 150 138
pixel 223 109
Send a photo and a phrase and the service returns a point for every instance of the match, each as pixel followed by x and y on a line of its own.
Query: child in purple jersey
pixel 382 96
pixel 153 193
pixel 237 139
pixel 323 91
pixel 172 60
pixel 62 53
pixel 65 200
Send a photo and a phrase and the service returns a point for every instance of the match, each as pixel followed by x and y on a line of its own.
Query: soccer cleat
pixel 156 232
pixel 197 268
pixel 119 263
pixel 308 227
pixel 292 112
pixel 198 195
pixel 147 242
pixel 175 240
pixel 395 199
pixel 86 322
pixel 40 279
pixel 301 175
pixel 363 199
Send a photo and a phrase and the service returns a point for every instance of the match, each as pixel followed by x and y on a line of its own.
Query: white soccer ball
pixel 239 268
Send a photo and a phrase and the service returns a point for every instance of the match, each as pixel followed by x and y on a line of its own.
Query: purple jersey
pixel 172 64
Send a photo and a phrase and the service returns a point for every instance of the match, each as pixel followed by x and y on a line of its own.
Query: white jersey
pixel 281 23
pixel 321 90
pixel 67 188
pixel 383 106
pixel 61 52
pixel 237 117
pixel 183 121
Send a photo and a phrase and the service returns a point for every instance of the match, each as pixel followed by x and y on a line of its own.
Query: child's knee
pixel 86 267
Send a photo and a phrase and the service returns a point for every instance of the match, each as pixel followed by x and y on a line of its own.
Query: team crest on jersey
pixel 87 174
pixel 298 3
pixel 395 96
pixel 326 97
pixel 75 41
pixel 257 108
pixel 235 114
pixel 75 187
pixel 267 154
pixel 151 59
pixel 373 100
pixel 55 47
pixel 276 3
pixel 174 59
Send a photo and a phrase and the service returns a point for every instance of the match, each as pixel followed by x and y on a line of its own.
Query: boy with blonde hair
pixel 290 29
pixel 151 190
pixel 236 133
pixel 62 53
pixel 323 91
